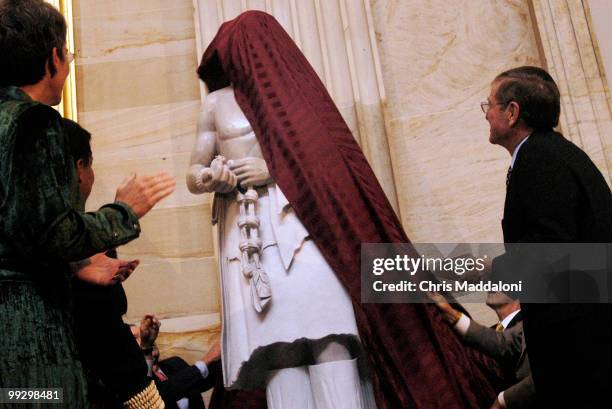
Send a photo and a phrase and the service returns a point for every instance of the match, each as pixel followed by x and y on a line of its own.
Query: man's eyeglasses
pixel 486 105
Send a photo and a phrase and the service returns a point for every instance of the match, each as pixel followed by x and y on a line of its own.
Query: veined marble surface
pixel 438 59
pixel 173 288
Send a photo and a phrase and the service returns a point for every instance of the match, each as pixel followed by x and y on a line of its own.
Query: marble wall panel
pixel 310 44
pixel 147 81
pixel 188 337
pixel 453 180
pixel 282 10
pixel 437 65
pixel 97 8
pixel 601 15
pixel 176 232
pixel 143 131
pixel 230 9
pixel 338 77
pixel 104 38
pixel 572 57
pixel 256 4
pixel 439 57
pixel 110 172
pixel 173 288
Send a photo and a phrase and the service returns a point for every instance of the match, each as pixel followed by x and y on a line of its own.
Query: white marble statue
pixel 283 306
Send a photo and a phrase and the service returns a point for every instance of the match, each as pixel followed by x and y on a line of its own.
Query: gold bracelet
pixel 148 398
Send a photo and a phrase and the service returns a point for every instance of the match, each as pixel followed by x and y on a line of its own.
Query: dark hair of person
pixel 29 30
pixel 536 93
pixel 79 141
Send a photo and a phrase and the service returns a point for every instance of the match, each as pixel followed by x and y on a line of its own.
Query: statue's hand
pixel 216 178
pixel 219 177
pixel 250 171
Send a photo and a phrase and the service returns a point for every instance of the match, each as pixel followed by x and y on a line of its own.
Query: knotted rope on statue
pixel 250 247
pixel 250 242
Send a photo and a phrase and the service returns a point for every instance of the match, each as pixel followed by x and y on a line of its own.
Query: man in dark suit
pixel 180 384
pixel 504 342
pixel 555 194
pixel 184 383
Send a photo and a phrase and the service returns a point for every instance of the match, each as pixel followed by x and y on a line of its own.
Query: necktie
pixel 499 327
pixel 159 373
pixel 508 176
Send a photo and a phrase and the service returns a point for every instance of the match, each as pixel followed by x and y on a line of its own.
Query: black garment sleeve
pixel 110 353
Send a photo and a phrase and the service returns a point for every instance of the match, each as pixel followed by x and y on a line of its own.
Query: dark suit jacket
pixel 556 194
pixel 185 381
pixel 509 348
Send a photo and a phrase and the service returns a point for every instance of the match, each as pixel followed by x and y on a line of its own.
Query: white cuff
pixel 149 367
pixel 202 368
pixel 462 325
pixel 502 401
pixel 183 403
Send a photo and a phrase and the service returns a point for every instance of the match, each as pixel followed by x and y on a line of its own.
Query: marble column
pixel 569 49
pixel 438 60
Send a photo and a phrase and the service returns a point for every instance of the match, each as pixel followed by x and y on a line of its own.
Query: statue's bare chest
pixel 230 122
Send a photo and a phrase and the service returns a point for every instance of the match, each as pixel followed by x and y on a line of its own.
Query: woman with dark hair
pixel 41 231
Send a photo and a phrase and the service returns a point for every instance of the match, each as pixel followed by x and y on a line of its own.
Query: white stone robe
pixel 308 301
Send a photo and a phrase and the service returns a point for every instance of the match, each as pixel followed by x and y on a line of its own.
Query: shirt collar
pixel 515 153
pixel 507 320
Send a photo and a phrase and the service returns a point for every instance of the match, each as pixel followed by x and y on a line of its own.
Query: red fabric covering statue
pixel 415 358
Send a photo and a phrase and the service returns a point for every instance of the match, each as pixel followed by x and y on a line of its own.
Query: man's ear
pixel 513 111
pixel 80 165
pixel 53 61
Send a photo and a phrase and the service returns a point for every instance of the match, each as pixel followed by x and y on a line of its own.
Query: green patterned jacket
pixel 41 231
pixel 39 225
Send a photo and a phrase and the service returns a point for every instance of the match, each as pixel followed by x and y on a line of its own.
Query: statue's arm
pixel 208 173
pixel 204 150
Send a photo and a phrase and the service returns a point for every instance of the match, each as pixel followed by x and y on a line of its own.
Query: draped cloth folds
pixel 415 358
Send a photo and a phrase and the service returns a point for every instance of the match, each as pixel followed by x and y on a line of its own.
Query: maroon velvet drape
pixel 416 359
